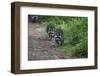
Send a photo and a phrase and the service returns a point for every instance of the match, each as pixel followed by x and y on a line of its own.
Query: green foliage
pixel 75 33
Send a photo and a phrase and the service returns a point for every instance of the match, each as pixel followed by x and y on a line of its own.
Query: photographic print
pixel 57 37
pixel 52 37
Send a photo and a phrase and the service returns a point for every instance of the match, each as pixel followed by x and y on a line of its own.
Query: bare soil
pixel 39 46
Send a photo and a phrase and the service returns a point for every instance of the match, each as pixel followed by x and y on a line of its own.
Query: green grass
pixel 75 34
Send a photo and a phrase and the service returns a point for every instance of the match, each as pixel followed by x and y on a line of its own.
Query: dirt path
pixel 39 47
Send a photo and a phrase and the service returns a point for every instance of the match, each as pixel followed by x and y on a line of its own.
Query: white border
pixel 25 64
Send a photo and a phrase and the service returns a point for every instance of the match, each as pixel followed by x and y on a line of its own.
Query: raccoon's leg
pixel 62 41
pixel 57 42
pixel 50 36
